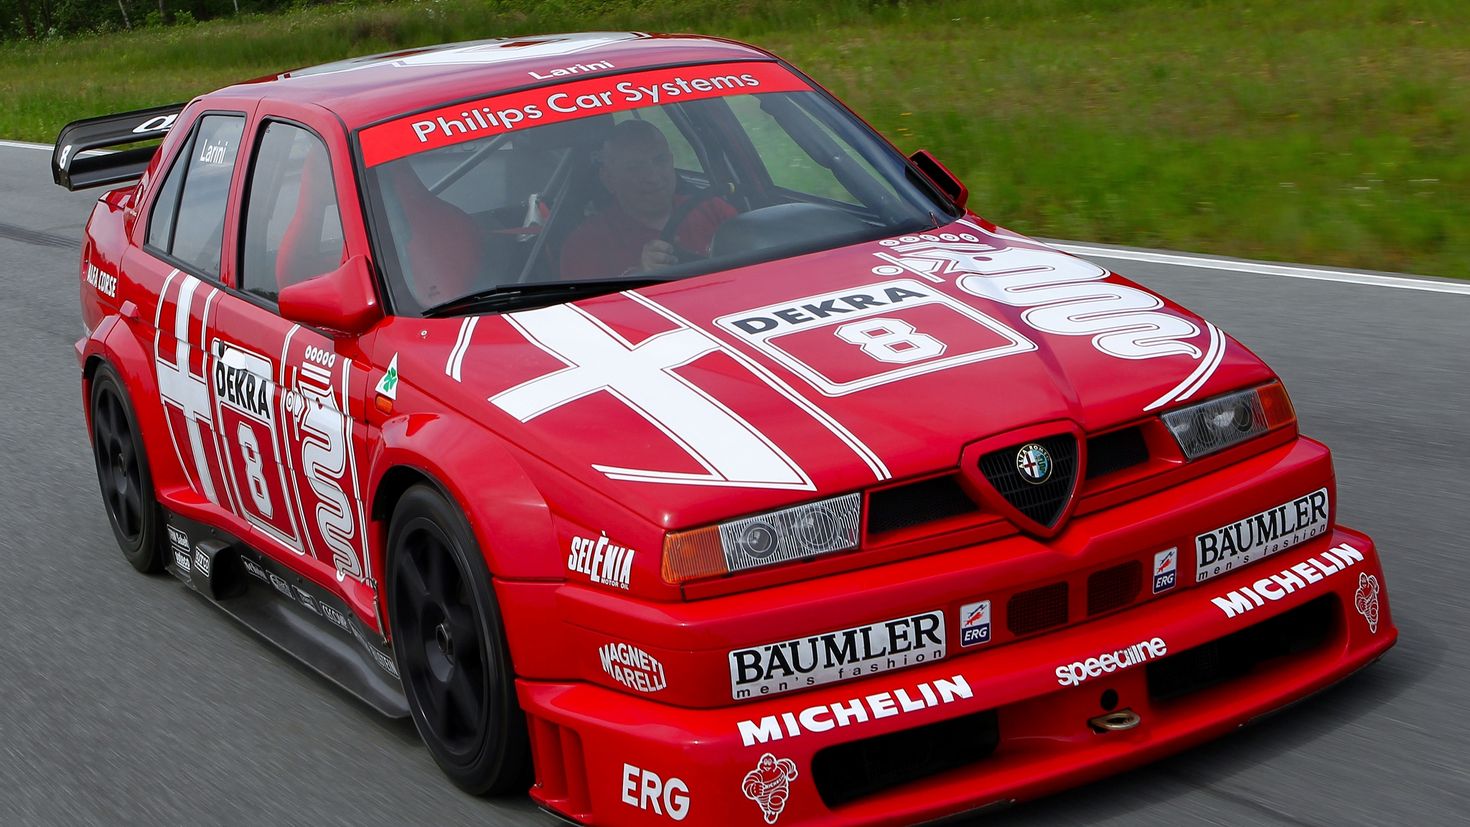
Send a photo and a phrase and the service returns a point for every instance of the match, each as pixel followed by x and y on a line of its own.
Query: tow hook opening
pixel 1116 721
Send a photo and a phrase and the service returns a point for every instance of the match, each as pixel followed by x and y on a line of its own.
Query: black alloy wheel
pixel 122 473
pixel 451 649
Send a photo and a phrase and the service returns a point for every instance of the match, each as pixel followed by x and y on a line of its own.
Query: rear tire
pixel 450 647
pixel 123 474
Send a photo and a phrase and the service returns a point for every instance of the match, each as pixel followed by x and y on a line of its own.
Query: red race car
pixel 635 418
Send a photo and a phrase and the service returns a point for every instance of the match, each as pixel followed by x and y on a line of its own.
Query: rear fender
pixel 119 343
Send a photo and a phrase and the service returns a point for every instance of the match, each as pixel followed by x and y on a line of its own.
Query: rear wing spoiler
pixel 71 169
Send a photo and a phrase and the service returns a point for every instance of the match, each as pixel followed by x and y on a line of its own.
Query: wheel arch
pixel 115 344
pixel 474 470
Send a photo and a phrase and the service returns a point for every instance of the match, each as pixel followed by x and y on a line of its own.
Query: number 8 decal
pixel 254 468
pixel 891 340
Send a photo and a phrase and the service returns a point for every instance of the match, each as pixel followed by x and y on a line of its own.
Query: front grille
pixel 1111 588
pixel 1290 633
pixel 1043 502
pixel 1037 609
pixel 858 769
pixel 927 501
pixel 1116 451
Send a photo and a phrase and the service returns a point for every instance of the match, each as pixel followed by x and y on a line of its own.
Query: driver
pixel 632 233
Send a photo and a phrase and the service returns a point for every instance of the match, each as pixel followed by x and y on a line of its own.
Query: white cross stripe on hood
pixel 731 450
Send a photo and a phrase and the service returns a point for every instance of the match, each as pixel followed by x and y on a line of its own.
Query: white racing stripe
pixel 1264 269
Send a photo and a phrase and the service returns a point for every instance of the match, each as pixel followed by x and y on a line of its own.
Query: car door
pixel 289 397
pixel 260 409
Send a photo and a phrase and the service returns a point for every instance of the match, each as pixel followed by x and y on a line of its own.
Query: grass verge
pixel 1325 131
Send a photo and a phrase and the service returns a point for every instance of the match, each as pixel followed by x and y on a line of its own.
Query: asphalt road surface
pixel 126 699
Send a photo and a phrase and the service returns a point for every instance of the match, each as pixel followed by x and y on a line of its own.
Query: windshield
pixel 653 175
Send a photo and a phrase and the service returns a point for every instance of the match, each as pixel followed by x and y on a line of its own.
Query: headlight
pixel 1217 424
pixel 795 533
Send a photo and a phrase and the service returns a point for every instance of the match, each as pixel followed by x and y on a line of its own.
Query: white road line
pixel 27 145
pixel 1264 269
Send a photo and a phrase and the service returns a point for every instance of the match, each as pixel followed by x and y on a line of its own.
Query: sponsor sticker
pixel 603 561
pixel 201 561
pixel 646 790
pixel 769 785
pixel 334 617
pixel 178 540
pixel 255 569
pixel 859 710
pixel 281 585
pixel 1073 674
pixel 789 665
pixel 306 600
pixel 1166 570
pixel 1366 600
pixel 105 282
pixel 850 340
pixel 1260 535
pixel 1276 586
pixel 242 382
pixel 181 560
pixel 632 667
pixel 579 98
pixel 975 623
pixel 384 662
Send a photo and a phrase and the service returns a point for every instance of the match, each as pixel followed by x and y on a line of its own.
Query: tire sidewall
pixel 143 552
pixel 499 764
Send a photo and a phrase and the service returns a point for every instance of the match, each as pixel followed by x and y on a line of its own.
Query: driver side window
pixel 292 231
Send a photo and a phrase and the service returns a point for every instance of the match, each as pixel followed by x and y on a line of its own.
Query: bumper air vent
pixel 1290 633
pixel 1116 451
pixel 1037 609
pixel 1114 588
pixel 858 769
pixel 927 501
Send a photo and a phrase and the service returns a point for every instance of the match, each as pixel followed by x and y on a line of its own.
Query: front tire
pixel 450 647
pixel 123 475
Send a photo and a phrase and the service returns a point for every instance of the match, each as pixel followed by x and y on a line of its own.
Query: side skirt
pixel 300 617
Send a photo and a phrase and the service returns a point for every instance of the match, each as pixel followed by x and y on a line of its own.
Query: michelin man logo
pixel 769 785
pixel 1367 600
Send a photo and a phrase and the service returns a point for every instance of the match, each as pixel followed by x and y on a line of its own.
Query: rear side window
pixel 188 221
pixel 292 228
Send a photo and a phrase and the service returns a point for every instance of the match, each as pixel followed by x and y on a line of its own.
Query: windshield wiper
pixel 535 294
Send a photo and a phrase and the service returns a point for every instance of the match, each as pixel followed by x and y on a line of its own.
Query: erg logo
pixel 646 790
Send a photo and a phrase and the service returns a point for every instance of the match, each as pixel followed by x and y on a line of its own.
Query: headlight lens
pixel 795 533
pixel 1217 424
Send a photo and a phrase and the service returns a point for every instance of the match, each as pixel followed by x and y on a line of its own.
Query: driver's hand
pixel 657 255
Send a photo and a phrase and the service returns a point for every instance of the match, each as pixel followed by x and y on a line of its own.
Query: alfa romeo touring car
pixel 658 437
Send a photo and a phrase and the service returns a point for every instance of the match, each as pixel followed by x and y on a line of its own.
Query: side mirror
pixel 941 177
pixel 343 300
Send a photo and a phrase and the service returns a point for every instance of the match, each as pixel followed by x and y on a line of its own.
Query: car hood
pixel 749 389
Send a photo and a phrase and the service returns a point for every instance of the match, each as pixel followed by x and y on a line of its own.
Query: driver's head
pixel 638 169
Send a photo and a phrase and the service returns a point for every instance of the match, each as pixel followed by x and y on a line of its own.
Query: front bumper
pixel 607 757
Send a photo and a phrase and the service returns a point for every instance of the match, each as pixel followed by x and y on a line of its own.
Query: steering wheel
pixel 677 217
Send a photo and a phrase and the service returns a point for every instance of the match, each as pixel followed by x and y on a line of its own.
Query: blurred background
pixel 1330 132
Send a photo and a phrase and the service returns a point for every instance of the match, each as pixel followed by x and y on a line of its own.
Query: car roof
pixel 365 90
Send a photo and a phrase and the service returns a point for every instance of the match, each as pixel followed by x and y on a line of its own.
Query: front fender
pixel 510 519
